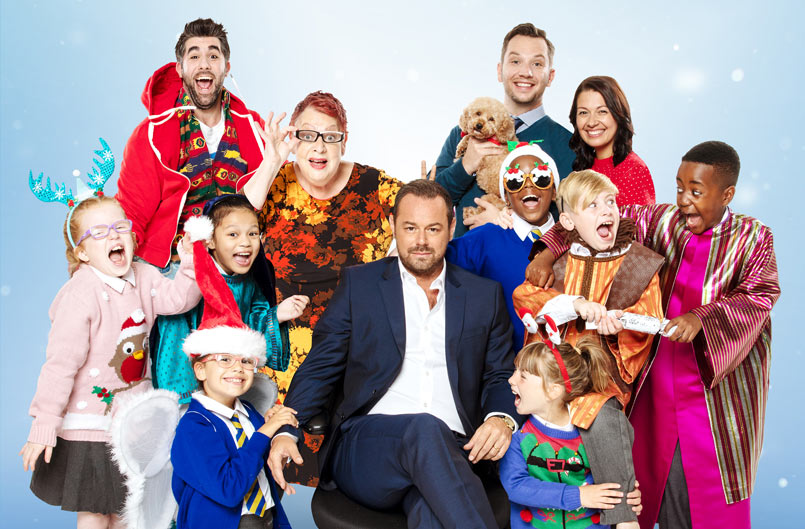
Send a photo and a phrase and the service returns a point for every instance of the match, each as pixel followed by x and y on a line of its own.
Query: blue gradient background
pixel 73 71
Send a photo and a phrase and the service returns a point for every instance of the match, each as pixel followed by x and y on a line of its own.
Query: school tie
pixel 534 234
pixel 255 502
pixel 517 123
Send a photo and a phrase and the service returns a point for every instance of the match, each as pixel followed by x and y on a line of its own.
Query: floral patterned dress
pixel 309 240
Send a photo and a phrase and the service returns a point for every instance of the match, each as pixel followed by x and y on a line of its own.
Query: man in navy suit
pixel 421 352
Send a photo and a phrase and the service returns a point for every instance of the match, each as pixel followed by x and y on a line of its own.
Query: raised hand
pixel 291 307
pixel 279 141
pixel 424 171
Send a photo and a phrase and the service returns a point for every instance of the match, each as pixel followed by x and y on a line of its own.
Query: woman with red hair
pixel 319 212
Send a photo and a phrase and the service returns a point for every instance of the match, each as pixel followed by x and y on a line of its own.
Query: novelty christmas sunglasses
pixel 514 178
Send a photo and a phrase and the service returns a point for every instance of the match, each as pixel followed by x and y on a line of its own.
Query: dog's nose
pixel 479 126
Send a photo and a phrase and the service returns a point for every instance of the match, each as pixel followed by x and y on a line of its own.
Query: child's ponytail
pixel 597 360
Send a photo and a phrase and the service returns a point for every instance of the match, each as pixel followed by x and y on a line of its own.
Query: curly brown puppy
pixel 486 119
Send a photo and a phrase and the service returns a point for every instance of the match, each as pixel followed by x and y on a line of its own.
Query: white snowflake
pixel 38 186
pixel 59 194
pixel 107 155
pixel 97 179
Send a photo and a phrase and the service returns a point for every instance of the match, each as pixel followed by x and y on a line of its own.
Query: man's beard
pixel 205 102
pixel 425 267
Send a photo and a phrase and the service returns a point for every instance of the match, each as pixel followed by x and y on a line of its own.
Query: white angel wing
pixel 263 393
pixel 142 434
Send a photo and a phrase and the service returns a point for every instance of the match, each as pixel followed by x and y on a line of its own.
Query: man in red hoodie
pixel 198 141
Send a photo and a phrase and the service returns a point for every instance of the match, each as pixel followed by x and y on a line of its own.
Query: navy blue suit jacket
pixel 359 343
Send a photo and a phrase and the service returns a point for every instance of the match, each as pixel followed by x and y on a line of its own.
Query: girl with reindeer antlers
pixel 97 348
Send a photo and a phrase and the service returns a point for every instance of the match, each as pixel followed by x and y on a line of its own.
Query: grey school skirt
pixel 81 476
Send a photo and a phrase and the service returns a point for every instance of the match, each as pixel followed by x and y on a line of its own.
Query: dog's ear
pixel 463 120
pixel 506 131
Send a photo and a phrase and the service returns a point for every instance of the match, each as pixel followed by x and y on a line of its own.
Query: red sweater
pixel 631 177
pixel 151 189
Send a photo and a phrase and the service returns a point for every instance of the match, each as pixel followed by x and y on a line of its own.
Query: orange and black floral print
pixel 309 241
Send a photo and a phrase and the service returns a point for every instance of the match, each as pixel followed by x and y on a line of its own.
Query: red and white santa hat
pixel 222 329
pixel 134 325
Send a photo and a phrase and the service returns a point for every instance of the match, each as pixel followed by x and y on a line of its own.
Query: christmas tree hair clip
pixel 93 188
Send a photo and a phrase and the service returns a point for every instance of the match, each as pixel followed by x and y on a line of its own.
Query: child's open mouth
pixel 117 255
pixel 243 258
pixel 604 230
pixel 531 201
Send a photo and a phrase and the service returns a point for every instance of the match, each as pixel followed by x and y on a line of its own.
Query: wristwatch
pixel 508 420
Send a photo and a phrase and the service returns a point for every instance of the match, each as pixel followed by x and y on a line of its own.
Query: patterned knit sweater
pixel 98 348
pixel 542 472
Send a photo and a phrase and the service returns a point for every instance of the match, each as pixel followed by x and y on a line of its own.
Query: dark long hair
pixel 617 104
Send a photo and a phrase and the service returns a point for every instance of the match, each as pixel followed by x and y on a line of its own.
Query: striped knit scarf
pixel 209 177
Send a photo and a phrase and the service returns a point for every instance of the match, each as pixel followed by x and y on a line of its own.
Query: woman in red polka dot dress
pixel 602 139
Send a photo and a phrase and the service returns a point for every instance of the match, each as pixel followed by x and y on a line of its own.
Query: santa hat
pixel 222 329
pixel 526 149
pixel 134 325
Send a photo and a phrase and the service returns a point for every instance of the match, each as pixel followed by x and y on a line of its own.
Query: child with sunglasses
pixel 546 470
pixel 605 274
pixel 97 350
pixel 528 178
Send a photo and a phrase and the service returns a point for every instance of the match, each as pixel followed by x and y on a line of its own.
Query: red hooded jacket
pixel 150 188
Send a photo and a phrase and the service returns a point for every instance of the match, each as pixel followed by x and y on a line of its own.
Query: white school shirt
pixel 522 227
pixel 225 413
pixel 423 385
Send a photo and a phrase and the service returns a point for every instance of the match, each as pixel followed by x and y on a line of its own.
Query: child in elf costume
pixel 546 470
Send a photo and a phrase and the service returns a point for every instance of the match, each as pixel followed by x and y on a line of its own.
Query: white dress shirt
pixel 423 385
pixel 225 413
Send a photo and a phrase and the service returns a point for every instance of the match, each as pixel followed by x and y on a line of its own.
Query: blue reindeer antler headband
pixel 94 187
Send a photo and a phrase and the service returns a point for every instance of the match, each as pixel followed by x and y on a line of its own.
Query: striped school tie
pixel 534 234
pixel 255 502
